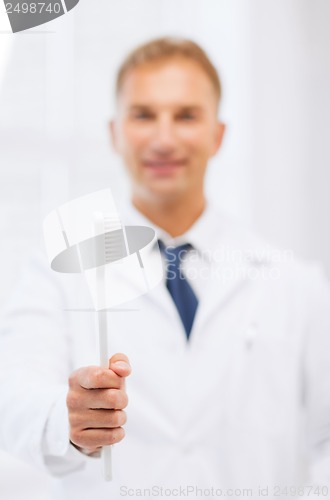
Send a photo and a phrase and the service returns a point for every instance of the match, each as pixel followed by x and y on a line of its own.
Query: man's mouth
pixel 164 166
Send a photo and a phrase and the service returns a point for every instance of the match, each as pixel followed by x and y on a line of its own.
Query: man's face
pixel 166 128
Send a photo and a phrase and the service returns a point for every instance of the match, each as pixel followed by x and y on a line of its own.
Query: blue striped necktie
pixel 177 284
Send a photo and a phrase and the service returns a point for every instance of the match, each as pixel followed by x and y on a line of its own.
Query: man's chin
pixel 165 190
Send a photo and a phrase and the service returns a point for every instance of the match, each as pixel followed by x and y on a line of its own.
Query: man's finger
pixel 95 377
pixel 108 399
pixel 99 419
pixel 119 363
pixel 92 438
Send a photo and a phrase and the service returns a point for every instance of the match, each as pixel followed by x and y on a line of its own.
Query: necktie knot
pixel 174 255
pixel 178 286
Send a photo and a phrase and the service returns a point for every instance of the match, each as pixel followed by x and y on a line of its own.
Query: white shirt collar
pixel 202 235
pixel 211 234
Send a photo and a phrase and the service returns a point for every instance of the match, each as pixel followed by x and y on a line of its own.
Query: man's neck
pixel 173 217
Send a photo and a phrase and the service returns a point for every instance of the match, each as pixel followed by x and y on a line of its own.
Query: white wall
pixel 55 100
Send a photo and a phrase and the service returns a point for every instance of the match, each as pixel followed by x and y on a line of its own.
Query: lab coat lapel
pixel 239 265
pixel 161 299
pixel 219 290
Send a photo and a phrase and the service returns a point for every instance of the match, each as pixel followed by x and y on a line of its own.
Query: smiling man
pixel 167 129
pixel 229 394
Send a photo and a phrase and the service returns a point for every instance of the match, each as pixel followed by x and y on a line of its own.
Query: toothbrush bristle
pixel 114 245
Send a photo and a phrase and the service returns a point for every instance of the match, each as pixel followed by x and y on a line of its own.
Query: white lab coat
pixel 245 404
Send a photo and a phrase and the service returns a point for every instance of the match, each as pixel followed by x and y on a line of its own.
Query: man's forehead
pixel 182 81
pixel 169 97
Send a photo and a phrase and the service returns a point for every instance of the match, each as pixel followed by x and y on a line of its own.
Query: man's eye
pixel 142 116
pixel 186 116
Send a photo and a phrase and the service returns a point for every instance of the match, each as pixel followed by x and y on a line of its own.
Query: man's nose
pixel 164 136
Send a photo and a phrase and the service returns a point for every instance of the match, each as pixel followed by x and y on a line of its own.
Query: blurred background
pixel 56 88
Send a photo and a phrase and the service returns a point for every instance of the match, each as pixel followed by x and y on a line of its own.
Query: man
pixel 229 393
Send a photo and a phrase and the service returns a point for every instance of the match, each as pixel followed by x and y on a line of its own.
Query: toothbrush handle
pixel 107 462
pixel 103 342
pixel 104 224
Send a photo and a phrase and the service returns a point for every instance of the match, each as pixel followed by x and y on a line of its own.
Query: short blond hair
pixel 166 48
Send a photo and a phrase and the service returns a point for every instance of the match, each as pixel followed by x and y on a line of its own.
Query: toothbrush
pixel 86 235
pixel 112 249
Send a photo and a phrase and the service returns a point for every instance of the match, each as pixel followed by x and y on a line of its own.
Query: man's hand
pixel 95 401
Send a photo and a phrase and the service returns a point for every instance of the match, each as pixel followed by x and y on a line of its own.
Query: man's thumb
pixel 119 363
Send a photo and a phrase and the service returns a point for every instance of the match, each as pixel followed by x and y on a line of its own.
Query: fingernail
pixel 121 364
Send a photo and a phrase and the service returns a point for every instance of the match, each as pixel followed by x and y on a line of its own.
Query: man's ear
pixel 113 135
pixel 218 137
